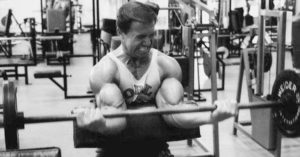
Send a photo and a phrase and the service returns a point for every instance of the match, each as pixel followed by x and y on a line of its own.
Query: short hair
pixel 136 11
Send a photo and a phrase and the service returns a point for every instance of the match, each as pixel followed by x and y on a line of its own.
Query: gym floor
pixel 42 97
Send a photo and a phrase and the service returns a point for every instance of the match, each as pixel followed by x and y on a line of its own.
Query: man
pixel 135 73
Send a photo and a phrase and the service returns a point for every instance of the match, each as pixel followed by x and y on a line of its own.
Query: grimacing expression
pixel 138 40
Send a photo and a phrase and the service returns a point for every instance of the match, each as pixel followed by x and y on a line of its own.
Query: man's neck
pixel 133 61
pixel 138 62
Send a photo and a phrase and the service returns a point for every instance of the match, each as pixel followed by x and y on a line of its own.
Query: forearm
pixel 108 100
pixel 112 125
pixel 225 109
pixel 170 96
pixel 187 120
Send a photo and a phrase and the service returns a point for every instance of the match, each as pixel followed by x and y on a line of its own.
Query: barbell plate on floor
pixel 10 115
pixel 286 89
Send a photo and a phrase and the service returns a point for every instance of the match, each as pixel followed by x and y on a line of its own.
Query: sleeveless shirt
pixel 139 90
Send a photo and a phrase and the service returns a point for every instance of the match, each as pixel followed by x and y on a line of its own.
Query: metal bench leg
pixel 16 73
pixel 26 74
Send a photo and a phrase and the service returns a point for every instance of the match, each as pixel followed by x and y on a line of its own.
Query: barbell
pixel 285 99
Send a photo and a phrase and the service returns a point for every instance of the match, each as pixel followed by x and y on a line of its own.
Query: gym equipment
pixel 15 61
pixel 296 42
pixel 263 129
pixel 142 128
pixel 286 90
pixel 225 50
pixel 52 74
pixel 208 69
pixel 188 42
pixel 3 74
pixel 56 20
pixel 14 120
pixel 267 61
pixel 7 22
pixel 36 152
pixel 236 20
pixel 207 64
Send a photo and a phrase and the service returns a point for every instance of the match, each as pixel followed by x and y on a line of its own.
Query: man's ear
pixel 118 31
pixel 121 35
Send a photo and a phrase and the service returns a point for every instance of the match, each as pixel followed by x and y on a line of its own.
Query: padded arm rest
pixel 38 152
pixel 48 73
pixel 139 128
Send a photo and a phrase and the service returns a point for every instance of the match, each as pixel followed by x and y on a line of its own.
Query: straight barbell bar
pixel 127 113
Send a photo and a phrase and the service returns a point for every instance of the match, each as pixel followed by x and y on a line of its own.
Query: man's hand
pixel 91 119
pixel 225 109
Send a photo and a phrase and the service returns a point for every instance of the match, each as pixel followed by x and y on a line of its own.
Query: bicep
pixel 170 93
pixel 171 90
pixel 172 69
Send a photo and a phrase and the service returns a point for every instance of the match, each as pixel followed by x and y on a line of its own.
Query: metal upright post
pixel 42 14
pixel 281 42
pixel 280 67
pixel 260 56
pixel 239 90
pixel 214 87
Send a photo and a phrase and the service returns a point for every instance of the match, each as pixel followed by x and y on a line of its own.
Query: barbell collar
pixel 46 119
pixel 259 104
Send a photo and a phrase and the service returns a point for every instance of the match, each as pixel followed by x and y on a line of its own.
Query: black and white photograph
pixel 149 78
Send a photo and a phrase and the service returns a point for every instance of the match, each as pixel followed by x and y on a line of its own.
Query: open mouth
pixel 145 48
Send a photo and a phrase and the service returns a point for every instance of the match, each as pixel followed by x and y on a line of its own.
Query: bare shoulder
pixel 169 66
pixel 103 72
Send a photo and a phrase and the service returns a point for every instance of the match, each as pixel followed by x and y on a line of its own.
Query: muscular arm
pixel 108 99
pixel 170 95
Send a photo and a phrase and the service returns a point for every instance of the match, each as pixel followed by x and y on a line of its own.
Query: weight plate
pixel 225 50
pixel 286 89
pixel 10 115
pixel 207 64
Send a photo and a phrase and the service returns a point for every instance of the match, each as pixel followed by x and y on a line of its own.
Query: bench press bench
pixel 48 74
pixel 35 152
pixel 52 74
pixel 16 62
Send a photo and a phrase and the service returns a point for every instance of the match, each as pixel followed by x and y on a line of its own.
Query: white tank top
pixel 138 90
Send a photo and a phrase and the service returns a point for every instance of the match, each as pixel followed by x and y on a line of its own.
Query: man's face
pixel 138 40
